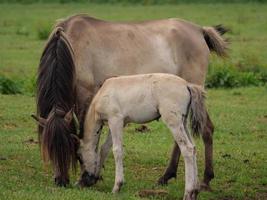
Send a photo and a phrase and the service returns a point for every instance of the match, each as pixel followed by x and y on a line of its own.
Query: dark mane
pixel 56 91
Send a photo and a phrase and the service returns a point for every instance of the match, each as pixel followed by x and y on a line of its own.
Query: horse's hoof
pixel 87 180
pixel 166 177
pixel 205 187
pixel 162 181
pixel 61 182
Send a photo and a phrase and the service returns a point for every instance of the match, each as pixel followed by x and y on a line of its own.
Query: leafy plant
pixel 43 31
pixel 223 77
pixel 229 77
pixel 8 86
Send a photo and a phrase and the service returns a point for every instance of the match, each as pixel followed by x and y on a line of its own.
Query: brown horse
pixel 82 52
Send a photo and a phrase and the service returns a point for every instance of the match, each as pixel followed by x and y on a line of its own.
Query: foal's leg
pixel 188 151
pixel 116 127
pixel 89 153
pixel 171 170
pixel 208 142
pixel 105 148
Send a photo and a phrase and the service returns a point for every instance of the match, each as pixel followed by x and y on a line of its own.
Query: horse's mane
pixel 56 91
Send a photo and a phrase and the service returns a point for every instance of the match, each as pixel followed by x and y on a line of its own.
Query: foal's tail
pixel 214 39
pixel 197 108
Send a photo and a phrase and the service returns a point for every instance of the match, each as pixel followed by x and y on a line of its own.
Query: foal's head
pixel 59 142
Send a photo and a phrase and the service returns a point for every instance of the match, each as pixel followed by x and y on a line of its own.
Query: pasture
pixel 239 115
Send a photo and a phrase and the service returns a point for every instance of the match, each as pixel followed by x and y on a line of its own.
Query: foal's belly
pixel 141 114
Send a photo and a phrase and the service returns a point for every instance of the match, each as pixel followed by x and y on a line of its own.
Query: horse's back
pixel 125 48
pixel 105 49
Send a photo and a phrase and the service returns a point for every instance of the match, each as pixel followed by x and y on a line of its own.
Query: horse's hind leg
pixel 171 170
pixel 208 142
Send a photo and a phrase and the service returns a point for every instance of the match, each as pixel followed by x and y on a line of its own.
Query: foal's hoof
pixel 61 182
pixel 87 180
pixel 191 195
pixel 117 187
pixel 205 187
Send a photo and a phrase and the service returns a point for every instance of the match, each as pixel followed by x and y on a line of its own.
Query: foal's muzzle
pixel 87 179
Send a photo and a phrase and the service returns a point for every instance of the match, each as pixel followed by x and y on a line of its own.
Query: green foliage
pixel 222 77
pixel 245 66
pixel 228 77
pixel 8 86
pixel 43 31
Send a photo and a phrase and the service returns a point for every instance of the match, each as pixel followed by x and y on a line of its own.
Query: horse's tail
pixel 214 39
pixel 197 108
pixel 56 95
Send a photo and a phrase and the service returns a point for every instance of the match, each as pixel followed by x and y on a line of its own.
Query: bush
pixel 222 77
pixel 248 79
pixel 8 86
pixel 229 77
pixel 43 31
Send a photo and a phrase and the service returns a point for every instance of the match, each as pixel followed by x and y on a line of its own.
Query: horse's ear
pixel 40 120
pixel 68 117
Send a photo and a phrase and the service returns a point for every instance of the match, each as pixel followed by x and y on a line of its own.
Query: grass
pixel 240 142
pixel 21 24
pixel 240 115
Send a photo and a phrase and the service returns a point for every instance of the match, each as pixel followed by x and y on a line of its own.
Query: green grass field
pixel 240 142
pixel 20 47
pixel 240 115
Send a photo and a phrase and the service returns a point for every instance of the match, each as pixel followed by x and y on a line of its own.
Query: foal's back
pixel 141 98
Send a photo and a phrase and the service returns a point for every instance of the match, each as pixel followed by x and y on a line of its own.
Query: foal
pixel 141 99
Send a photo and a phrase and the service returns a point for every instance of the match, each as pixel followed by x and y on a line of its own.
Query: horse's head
pixel 59 142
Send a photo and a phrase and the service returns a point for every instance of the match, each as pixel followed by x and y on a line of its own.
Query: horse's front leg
pixel 116 127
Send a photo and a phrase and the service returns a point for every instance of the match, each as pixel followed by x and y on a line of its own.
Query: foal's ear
pixel 68 117
pixel 40 120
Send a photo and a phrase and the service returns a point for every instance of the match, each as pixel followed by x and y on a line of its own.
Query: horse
pixel 82 52
pixel 142 99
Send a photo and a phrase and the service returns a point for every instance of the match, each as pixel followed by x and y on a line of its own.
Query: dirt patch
pixel 3 158
pixel 9 126
pixel 142 129
pixel 31 141
pixel 262 119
